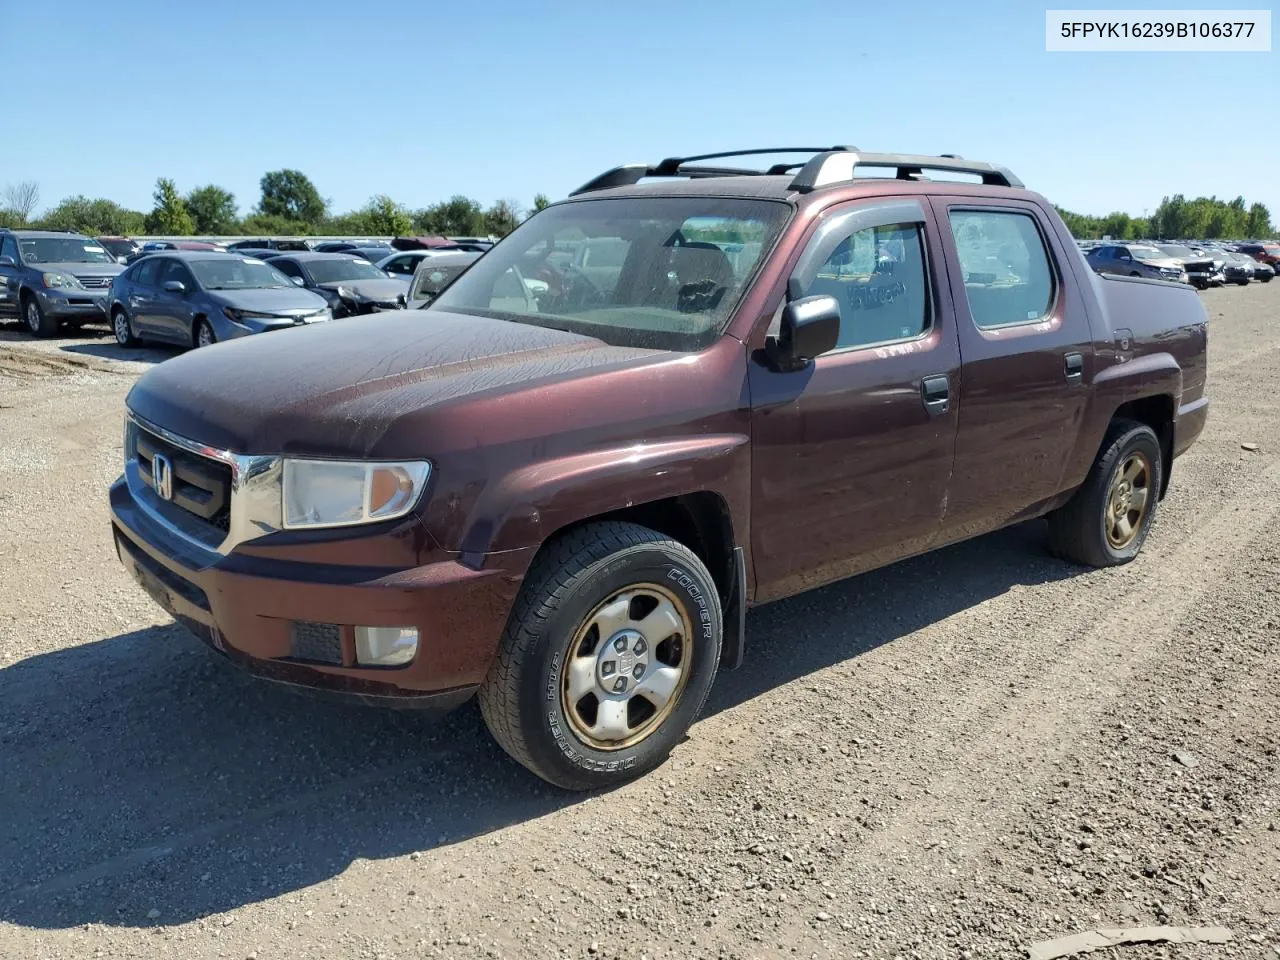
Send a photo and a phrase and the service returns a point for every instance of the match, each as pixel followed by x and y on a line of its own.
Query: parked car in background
pixel 155 246
pixel 368 250
pixel 435 273
pixel 196 298
pixel 402 264
pixel 1136 260
pixel 350 285
pixel 1256 269
pixel 1267 252
pixel 270 243
pixel 119 247
pixel 1237 268
pixel 566 505
pixel 51 278
pixel 1200 270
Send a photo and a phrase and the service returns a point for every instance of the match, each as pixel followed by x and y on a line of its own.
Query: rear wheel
pixel 122 328
pixel 608 656
pixel 1107 521
pixel 38 322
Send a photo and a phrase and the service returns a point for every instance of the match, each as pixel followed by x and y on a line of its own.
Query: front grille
pixel 94 283
pixel 316 642
pixel 200 499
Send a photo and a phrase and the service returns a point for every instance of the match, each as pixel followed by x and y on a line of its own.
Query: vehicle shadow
pixel 143 772
pixel 152 353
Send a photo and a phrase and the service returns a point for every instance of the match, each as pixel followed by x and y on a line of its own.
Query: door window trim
pixel 829 235
pixel 1053 310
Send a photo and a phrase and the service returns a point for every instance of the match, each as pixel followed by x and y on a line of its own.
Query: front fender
pixel 532 502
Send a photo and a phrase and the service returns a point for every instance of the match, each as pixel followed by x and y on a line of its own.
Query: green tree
pixel 170 216
pixel 213 210
pixel 1258 223
pixel 457 216
pixel 289 194
pixel 94 217
pixel 501 218
pixel 267 225
pixel 385 217
pixel 540 202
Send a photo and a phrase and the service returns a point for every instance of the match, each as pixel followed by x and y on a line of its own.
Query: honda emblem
pixel 162 476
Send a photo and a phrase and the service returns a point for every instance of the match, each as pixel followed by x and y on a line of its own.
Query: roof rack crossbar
pixel 838 166
pixel 826 166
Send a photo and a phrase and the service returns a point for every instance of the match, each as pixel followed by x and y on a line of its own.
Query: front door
pixel 1027 350
pixel 851 456
pixel 141 295
pixel 172 310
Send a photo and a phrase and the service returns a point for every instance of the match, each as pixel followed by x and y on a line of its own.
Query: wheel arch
pixel 1157 411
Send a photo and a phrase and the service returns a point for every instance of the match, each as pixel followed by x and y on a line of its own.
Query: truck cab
pixel 562 484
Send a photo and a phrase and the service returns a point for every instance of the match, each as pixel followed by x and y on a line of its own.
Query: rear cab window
pixel 1008 277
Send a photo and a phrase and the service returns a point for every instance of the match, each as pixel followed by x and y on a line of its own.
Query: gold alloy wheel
pixel 626 667
pixel 1127 500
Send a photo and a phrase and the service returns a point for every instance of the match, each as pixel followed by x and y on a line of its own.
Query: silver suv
pixel 48 278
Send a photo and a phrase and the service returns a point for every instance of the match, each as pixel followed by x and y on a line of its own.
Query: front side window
pixel 1007 276
pixel 662 272
pixel 402 265
pixel 288 268
pixel 878 277
pixel 63 250
pixel 173 270
pixel 146 271
pixel 434 277
pixel 9 249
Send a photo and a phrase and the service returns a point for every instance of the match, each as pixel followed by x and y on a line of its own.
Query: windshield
pixel 1182 253
pixel 63 250
pixel 431 278
pixel 237 273
pixel 660 272
pixel 344 268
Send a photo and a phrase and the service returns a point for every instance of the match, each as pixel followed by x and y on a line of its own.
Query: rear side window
pixel 877 275
pixel 1007 276
pixel 146 272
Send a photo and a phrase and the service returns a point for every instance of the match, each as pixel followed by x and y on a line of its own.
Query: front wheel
pixel 607 658
pixel 1107 521
pixel 204 336
pixel 38 322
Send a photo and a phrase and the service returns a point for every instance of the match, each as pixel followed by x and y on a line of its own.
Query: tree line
pixel 1177 218
pixel 289 204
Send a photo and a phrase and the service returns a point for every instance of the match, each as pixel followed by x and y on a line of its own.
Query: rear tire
pixel 37 321
pixel 1108 519
pixel 123 328
pixel 552 698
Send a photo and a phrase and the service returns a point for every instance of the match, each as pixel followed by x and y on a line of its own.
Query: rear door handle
pixel 935 393
pixel 1074 367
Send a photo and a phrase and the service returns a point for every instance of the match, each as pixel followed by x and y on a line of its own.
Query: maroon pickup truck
pixel 649 408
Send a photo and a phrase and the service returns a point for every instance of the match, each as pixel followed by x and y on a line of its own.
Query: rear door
pixel 851 456
pixel 140 296
pixel 1028 361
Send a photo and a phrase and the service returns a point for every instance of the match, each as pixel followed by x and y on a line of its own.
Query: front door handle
pixel 935 393
pixel 1074 367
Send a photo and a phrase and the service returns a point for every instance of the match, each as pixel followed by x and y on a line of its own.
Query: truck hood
pixel 366 388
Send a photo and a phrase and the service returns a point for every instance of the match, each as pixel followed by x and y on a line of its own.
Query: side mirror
pixel 175 286
pixel 7 262
pixel 122 259
pixel 298 281
pixel 810 327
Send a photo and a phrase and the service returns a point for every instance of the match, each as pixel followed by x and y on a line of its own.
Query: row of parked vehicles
pixel 191 293
pixel 1202 264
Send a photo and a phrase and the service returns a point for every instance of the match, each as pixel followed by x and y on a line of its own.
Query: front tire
pixel 607 658
pixel 1108 519
pixel 38 322
pixel 122 328
pixel 203 336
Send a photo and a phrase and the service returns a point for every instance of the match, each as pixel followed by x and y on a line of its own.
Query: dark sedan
pixel 197 298
pixel 371 251
pixel 350 285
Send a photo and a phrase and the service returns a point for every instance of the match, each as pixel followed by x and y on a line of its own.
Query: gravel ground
pixel 955 757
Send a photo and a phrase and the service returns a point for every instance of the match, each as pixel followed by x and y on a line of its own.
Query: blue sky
pixel 421 100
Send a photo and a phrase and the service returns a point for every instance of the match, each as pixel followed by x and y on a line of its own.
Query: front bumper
pixel 245 605
pixel 65 304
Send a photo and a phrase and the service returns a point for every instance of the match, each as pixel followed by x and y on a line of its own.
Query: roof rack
pixel 825 166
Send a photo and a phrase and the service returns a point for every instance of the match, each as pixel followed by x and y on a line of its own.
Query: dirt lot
pixel 955 757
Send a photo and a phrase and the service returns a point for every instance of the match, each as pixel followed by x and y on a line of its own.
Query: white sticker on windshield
pixel 90 248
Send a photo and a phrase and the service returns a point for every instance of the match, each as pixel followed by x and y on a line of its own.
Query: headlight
pixel 346 293
pixel 337 493
pixel 64 280
pixel 241 315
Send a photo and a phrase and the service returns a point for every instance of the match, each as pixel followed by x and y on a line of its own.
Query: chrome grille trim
pixel 95 283
pixel 255 492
